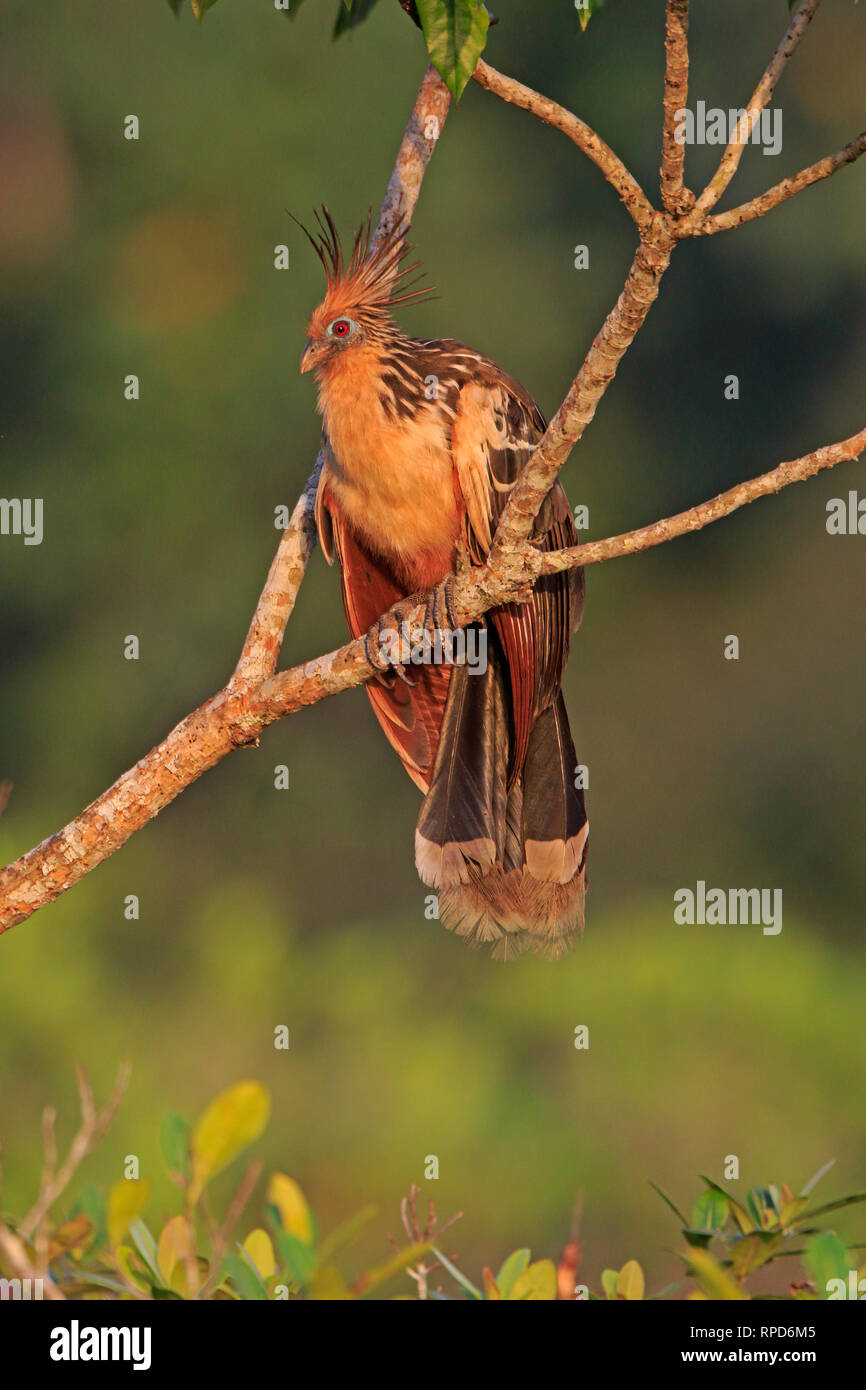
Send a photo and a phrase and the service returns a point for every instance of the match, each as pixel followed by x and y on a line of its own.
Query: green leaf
pixel 126 1201
pixel 749 1252
pixel 291 1205
pixel 245 1278
pixel 201 7
pixel 710 1211
pixel 630 1282
pixel 298 1257
pixel 92 1204
pixel 698 1239
pixel 350 14
pixel 125 1255
pixel 176 5
pixel 585 10
pixel 146 1246
pixel 675 1209
pixel 174 1142
pixel 535 1284
pixel 176 1245
pixel 510 1269
pixel 826 1258
pixel 739 1214
pixel 455 32
pixel 714 1281
pixel 260 1252
pixel 235 1119
pixel 608 1281
pixel 832 1206
pixel 792 1209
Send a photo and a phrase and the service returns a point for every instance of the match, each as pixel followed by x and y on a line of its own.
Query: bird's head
pixel 361 292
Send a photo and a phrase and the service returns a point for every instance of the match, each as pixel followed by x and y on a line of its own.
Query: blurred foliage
pixel 105 1249
pixel 301 908
pixel 768 1225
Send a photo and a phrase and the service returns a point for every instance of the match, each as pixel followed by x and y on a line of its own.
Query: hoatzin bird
pixel 423 440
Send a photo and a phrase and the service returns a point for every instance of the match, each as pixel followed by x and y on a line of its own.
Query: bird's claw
pixel 441 600
pixel 385 670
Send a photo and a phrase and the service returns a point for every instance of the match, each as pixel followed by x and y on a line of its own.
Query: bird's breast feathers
pixel 390 473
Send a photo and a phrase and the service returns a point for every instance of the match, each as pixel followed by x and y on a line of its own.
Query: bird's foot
pixel 441 604
pixel 386 671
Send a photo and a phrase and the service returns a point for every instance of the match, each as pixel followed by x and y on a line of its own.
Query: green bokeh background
pixel 302 907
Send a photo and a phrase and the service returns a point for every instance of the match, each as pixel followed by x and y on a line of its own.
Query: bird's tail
pixel 505 849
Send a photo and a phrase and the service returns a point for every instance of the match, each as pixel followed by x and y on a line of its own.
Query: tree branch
pixel 212 731
pixel 675 197
pixel 800 21
pixel 780 192
pixel 261 649
pixel 637 204
pixel 256 696
pixel 89 1134
pixel 795 471
pixel 595 375
pixel 14 1252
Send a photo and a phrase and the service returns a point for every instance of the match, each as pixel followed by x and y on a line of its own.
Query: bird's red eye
pixel 341 328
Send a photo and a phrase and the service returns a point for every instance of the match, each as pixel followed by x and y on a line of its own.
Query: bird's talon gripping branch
pixel 386 671
pixel 372 648
pixel 441 603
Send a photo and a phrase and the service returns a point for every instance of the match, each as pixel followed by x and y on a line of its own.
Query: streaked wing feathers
pixel 496 428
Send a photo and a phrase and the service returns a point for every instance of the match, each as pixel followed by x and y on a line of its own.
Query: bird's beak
pixel 309 356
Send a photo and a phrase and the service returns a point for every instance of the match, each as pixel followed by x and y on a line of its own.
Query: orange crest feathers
pixel 370 282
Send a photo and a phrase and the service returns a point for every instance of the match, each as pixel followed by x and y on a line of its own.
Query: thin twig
pixel 15 1253
pixel 516 94
pixel 631 542
pixel 729 163
pixel 780 192
pixel 233 1215
pixel 90 1132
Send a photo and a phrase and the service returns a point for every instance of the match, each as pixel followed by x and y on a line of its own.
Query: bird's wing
pixel 410 716
pixel 496 427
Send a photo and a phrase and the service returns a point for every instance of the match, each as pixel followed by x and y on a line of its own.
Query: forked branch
pixel 256 695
